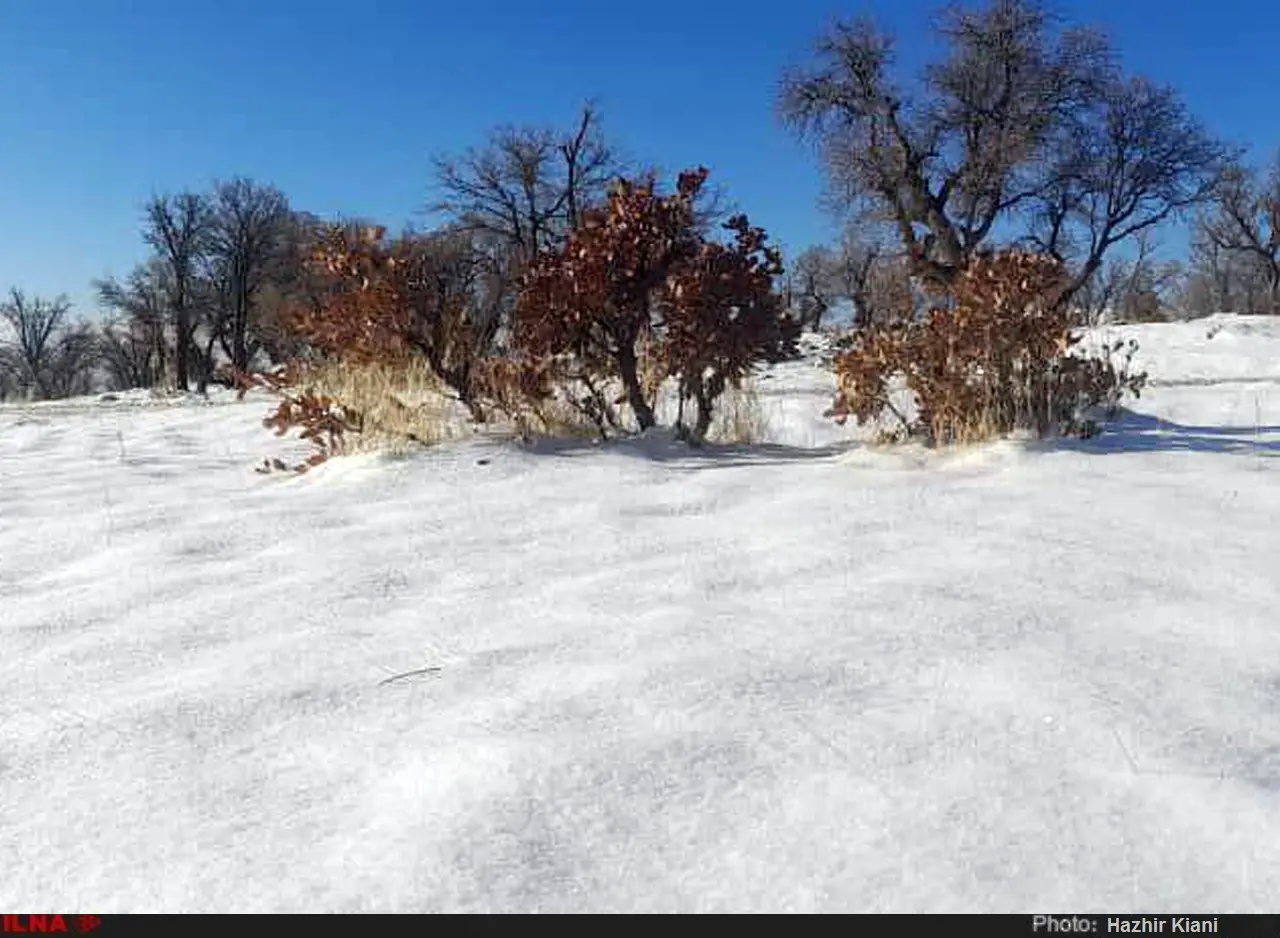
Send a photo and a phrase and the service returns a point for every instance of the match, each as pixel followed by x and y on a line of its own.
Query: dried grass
pixel 401 404
pixel 739 417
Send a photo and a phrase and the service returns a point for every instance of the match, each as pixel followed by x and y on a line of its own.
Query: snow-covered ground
pixel 801 675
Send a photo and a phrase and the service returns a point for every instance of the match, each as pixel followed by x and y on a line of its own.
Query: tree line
pixel 1023 131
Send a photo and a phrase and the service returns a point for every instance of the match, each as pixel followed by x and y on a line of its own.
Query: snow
pixel 804 675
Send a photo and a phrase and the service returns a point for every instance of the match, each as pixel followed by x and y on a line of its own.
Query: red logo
pixel 33 924
pixel 87 923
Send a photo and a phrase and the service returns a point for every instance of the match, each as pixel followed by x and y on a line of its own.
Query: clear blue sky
pixel 342 104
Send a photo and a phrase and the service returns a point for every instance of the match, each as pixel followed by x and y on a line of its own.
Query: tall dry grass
pixel 401 405
pixel 739 416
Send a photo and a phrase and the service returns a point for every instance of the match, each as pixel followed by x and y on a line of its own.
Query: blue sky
pixel 103 102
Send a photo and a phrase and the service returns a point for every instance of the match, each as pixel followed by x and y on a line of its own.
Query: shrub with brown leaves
pixel 381 302
pixel 518 388
pixel 722 316
pixel 640 275
pixel 418 294
pixel 591 303
pixel 323 421
pixel 999 358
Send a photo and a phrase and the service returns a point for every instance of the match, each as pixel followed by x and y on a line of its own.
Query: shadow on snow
pixel 662 446
pixel 1132 432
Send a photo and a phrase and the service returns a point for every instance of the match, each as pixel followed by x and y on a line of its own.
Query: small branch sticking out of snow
pixel 397 677
pixel 1133 763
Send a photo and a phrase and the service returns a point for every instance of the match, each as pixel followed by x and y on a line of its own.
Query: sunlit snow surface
pixel 802 675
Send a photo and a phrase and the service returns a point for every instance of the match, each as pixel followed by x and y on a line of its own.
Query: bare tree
pixel 127 356
pixel 1021 119
pixel 1136 287
pixel 133 343
pixel 1095 300
pixel 178 227
pixel 457 293
pixel 590 164
pixel 1131 161
pixel 860 270
pixel 945 164
pixel 248 242
pixel 31 353
pixel 529 186
pixel 1246 222
pixel 73 361
pixel 810 286
pixel 872 276
pixel 296 283
pixel 1214 276
pixel 8 374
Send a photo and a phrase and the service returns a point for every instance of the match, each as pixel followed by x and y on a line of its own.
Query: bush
pixel 722 317
pixel 402 404
pixel 997 358
pixel 397 331
pixel 384 299
pixel 323 421
pixel 638 295
pixel 589 305
pixel 345 406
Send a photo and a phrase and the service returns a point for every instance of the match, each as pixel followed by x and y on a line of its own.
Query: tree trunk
pixel 239 330
pixel 628 370
pixel 182 361
pixel 157 375
pixel 702 425
pixel 206 366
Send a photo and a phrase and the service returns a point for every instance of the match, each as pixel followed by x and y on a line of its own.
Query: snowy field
pixel 801 675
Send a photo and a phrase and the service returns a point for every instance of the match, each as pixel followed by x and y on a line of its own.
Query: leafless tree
pixel 810 286
pixel 872 276
pixel 178 228
pixel 31 353
pixel 459 290
pixel 1216 280
pixel 127 356
pixel 1224 281
pixel 528 186
pixel 73 361
pixel 1095 300
pixel 248 245
pixel 1137 287
pixel 1131 161
pixel 1245 222
pixel 295 282
pixel 8 374
pixel 861 270
pixel 133 343
pixel 1021 119
pixel 945 164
